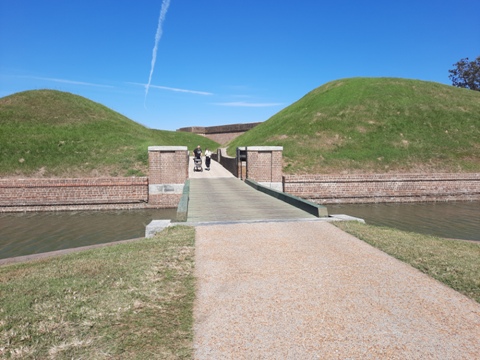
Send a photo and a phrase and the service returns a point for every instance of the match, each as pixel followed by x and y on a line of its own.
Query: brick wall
pixel 167 164
pixel 224 138
pixel 259 166
pixel 200 130
pixel 331 189
pixel 277 165
pixel 162 189
pixel 72 193
pixel 221 133
pixel 228 162
pixel 264 165
pixel 168 171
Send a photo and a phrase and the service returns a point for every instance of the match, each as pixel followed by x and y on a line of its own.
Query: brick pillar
pixel 264 165
pixel 168 171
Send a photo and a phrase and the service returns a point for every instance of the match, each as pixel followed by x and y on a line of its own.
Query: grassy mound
pixel 52 133
pixel 366 125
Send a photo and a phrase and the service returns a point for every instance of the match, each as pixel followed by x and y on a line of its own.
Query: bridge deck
pixel 216 195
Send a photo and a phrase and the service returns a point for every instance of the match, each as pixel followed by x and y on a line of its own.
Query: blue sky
pixel 224 61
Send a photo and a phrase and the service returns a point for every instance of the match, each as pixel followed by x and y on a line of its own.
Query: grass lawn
pixel 126 301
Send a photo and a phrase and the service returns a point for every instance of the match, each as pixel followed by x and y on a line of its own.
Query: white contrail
pixel 247 104
pixel 66 81
pixel 158 35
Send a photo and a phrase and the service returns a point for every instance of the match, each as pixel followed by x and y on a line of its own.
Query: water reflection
pixel 458 220
pixel 33 233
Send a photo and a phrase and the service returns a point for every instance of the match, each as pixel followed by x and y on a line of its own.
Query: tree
pixel 466 74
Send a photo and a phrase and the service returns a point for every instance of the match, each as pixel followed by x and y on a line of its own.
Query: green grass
pixel 357 125
pixel 56 134
pixel 453 262
pixel 376 125
pixel 125 301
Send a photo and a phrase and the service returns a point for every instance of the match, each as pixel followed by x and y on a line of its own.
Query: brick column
pixel 264 165
pixel 168 171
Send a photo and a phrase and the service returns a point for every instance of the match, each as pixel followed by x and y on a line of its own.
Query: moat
pixel 32 233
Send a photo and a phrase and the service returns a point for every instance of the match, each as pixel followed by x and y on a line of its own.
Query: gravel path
pixel 307 290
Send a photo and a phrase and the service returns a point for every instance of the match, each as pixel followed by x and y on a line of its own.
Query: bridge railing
pixel 228 162
pixel 262 164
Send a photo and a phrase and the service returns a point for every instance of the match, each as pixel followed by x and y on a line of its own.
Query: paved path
pixel 230 199
pixel 304 289
pixel 217 195
pixel 307 290
pixel 216 171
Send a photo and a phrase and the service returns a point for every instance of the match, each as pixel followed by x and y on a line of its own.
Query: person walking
pixel 208 156
pixel 197 152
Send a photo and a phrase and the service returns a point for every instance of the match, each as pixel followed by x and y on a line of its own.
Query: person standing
pixel 208 156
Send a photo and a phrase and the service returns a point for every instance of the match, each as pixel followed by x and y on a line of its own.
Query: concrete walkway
pixel 217 195
pixel 303 289
pixel 230 199
pixel 216 171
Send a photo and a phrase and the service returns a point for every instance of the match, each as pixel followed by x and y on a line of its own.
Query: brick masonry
pixel 167 165
pixel 168 171
pixel 224 138
pixel 228 162
pixel 222 134
pixel 66 194
pixel 376 188
pixel 162 189
pixel 264 165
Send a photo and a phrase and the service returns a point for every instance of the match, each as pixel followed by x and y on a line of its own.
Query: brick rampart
pixel 224 138
pixel 69 194
pixel 221 133
pixel 377 188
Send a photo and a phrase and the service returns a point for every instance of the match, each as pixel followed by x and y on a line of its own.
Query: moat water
pixel 33 233
pixel 456 220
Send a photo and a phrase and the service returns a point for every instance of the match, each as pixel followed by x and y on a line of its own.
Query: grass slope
pixel 52 133
pixel 375 125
